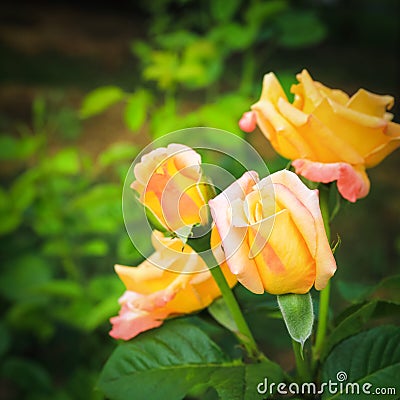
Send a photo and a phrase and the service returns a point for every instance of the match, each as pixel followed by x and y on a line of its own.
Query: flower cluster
pixel 267 234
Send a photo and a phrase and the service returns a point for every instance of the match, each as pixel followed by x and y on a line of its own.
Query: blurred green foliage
pixel 61 224
pixel 61 231
pixel 193 54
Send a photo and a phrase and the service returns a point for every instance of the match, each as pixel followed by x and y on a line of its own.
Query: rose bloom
pixel 172 281
pixel 168 180
pixel 273 234
pixel 329 135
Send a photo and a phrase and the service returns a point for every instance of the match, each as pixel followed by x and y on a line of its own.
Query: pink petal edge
pixel 235 249
pixel 248 122
pixel 352 182
pixel 129 323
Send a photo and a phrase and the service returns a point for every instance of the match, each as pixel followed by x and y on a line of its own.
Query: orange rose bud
pixel 168 180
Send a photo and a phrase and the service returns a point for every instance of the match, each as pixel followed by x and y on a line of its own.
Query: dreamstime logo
pixel 223 153
pixel 341 376
pixel 339 386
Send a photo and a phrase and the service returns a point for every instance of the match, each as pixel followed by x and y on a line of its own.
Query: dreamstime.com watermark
pixel 340 386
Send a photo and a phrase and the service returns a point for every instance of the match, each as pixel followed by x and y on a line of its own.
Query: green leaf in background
pixel 99 208
pixel 299 29
pixel 18 149
pixel 127 252
pixel 9 220
pixel 258 12
pixel 101 312
pixel 67 122
pixel 171 361
pixel 141 49
pixel 22 192
pixel 200 65
pixel 22 275
pixel 388 289
pixel 61 288
pixel 350 325
pixel 99 193
pixel 297 312
pixel 65 162
pixel 162 69
pixel 31 315
pixel 220 312
pixel 215 115
pixel 105 285
pixel 175 40
pixel 232 36
pixel 56 247
pixel 100 99
pixel 369 357
pixel 222 10
pixel 35 377
pixel 353 292
pixel 355 319
pixel 94 247
pixel 9 147
pixel 136 109
pixel 265 310
pixel 104 292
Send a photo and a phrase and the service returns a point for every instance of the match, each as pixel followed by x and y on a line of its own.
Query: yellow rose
pixel 329 135
pixel 273 234
pixel 168 180
pixel 174 280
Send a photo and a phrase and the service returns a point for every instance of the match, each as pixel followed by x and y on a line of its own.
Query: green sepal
pixel 298 314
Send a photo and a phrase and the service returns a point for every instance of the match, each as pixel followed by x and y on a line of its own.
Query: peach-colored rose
pixel 168 180
pixel 329 135
pixel 174 280
pixel 273 234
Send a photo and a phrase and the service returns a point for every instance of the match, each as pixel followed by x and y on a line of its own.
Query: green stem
pixel 244 336
pixel 302 368
pixel 322 318
pixel 325 293
pixel 324 205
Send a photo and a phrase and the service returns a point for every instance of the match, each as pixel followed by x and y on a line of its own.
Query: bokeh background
pixel 85 85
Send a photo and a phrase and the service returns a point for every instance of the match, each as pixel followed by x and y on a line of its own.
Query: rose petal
pixel 235 247
pixel 334 94
pixel 325 262
pixel 272 89
pixel 308 91
pixel 248 122
pixel 370 103
pixel 283 135
pixel 358 131
pixel 352 182
pixel 285 264
pixel 301 216
pixel 129 323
